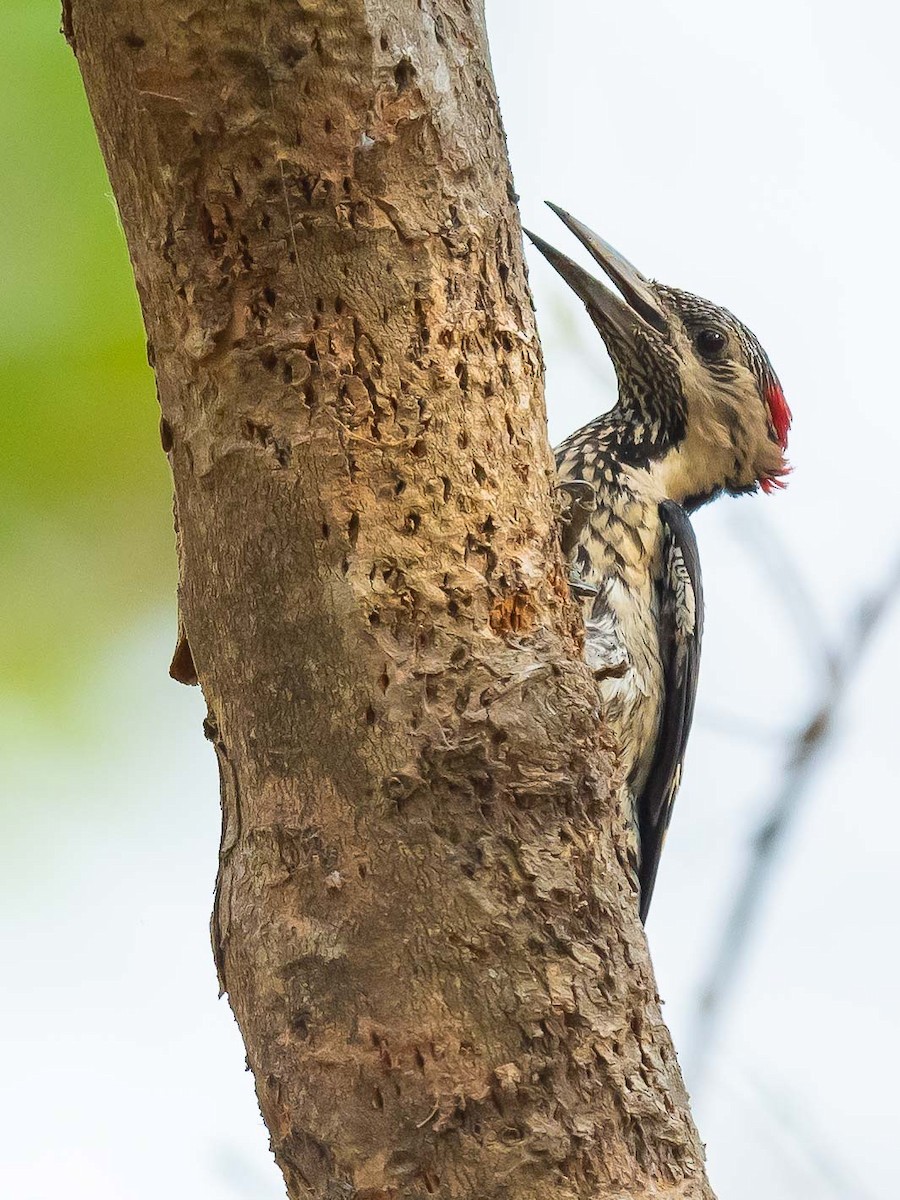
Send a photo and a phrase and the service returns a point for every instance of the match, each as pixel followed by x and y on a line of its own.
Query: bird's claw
pixel 581 590
pixel 579 502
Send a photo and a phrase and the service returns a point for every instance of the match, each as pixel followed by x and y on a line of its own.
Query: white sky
pixel 748 153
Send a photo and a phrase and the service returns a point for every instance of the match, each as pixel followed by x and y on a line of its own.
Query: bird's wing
pixel 680 592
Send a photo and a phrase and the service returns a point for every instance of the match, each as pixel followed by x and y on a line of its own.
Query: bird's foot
pixel 581 590
pixel 579 500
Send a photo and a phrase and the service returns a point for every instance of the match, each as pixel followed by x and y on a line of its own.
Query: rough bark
pixel 422 918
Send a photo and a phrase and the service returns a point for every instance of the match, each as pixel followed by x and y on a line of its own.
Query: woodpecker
pixel 700 412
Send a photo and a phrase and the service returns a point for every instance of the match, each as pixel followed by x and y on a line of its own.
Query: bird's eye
pixel 710 342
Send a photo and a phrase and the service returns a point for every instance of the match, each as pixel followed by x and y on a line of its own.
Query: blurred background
pixel 749 154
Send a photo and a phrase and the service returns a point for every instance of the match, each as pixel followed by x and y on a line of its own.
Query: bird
pixel 700 413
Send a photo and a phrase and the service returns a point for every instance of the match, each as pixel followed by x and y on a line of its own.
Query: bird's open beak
pixel 641 307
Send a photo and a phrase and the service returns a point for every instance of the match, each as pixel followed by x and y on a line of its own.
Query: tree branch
pixel 422 919
pixel 837 666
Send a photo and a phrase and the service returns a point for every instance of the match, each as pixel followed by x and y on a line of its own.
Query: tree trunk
pixel 423 920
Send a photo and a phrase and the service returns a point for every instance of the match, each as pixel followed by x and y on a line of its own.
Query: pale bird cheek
pixel 720 436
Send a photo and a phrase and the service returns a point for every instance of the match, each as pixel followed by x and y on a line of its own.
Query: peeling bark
pixel 422 920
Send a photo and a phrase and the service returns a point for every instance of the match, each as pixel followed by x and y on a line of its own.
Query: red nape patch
pixel 780 414
pixel 772 483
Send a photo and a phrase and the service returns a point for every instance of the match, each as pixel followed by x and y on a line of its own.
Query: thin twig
pixel 822 1154
pixel 805 754
pixel 788 1124
pixel 769 550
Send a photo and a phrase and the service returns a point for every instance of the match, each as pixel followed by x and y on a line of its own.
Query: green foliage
pixel 85 540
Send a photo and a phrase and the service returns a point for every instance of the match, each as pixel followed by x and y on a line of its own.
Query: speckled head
pixel 694 382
